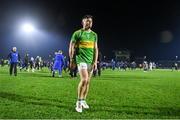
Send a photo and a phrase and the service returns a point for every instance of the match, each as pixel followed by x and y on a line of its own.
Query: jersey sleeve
pixel 74 37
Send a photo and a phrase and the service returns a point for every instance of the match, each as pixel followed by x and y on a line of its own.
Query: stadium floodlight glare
pixel 27 27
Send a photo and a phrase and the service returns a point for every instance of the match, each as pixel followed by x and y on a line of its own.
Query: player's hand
pixel 71 65
pixel 95 66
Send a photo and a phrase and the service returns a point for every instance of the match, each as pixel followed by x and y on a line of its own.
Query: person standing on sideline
pixel 25 63
pixel 14 58
pixel 32 64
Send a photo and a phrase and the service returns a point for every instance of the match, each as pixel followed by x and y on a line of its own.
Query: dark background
pixel 133 25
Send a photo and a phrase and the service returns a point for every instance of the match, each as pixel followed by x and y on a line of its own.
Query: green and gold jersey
pixel 84 45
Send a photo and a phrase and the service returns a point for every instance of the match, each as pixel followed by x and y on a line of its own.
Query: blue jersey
pixel 59 58
pixel 58 61
pixel 14 57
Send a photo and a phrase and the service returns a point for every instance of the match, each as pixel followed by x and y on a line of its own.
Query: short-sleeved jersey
pixel 84 45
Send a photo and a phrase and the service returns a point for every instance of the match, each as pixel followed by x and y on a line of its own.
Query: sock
pixel 80 100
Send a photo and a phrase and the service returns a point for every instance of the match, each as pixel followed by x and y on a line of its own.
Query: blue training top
pixel 14 57
pixel 58 61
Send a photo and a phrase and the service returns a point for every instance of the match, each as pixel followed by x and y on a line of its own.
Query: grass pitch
pixel 114 95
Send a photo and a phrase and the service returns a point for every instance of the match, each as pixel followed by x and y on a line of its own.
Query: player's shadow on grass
pixel 155 111
pixel 36 101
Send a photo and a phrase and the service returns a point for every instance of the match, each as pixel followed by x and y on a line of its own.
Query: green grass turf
pixel 116 94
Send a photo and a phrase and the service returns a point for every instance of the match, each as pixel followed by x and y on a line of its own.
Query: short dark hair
pixel 87 16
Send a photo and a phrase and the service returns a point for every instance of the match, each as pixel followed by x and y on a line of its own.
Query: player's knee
pixel 87 82
pixel 84 82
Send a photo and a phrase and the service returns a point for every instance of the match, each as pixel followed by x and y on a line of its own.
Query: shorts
pixel 85 66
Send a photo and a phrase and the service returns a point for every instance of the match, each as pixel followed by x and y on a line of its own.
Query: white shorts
pixel 85 66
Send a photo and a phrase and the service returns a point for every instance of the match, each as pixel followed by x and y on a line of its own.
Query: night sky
pixel 143 27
